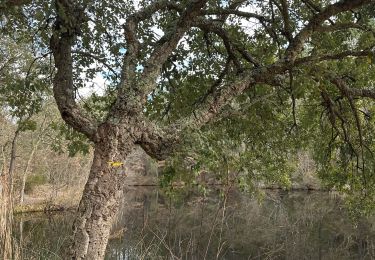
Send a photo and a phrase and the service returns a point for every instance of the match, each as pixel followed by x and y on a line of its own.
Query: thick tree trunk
pixel 100 200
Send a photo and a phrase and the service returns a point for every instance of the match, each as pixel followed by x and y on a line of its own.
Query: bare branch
pixel 133 45
pixel 337 56
pixel 166 45
pixel 285 14
pixel 209 26
pixel 353 92
pixel 230 45
pixel 315 22
pixel 341 26
pixel 218 99
pixel 341 85
pixel 99 59
pixel 237 13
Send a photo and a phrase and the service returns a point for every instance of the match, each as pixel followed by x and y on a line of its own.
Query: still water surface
pixel 294 225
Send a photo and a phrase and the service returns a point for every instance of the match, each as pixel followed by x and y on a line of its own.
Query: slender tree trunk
pixel 3 169
pixel 5 243
pixel 26 171
pixel 100 200
pixel 28 164
pixel 21 239
pixel 12 163
pixel 6 210
pixel 31 156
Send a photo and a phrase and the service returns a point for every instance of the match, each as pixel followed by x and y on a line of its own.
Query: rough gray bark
pixel 99 203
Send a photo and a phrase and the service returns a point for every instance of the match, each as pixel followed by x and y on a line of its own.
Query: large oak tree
pixel 265 70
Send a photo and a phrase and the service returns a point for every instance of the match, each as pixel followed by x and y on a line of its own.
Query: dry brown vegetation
pixel 52 177
pixel 55 181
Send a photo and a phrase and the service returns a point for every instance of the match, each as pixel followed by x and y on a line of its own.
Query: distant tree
pixel 257 78
pixel 23 87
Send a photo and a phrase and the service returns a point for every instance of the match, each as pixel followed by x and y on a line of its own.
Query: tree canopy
pixel 270 77
pixel 239 85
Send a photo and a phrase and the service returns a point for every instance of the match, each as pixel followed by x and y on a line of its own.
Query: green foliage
pixel 257 135
pixel 98 106
pixel 33 181
pixel 168 175
pixel 68 140
pixel 24 84
pixel 243 144
pixel 28 125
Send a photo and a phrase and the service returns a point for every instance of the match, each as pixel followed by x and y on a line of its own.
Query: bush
pixel 33 181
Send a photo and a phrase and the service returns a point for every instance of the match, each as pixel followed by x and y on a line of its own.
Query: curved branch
pixel 32 64
pixel 166 45
pixel 133 45
pixel 353 92
pixel 65 30
pixel 230 45
pixel 160 142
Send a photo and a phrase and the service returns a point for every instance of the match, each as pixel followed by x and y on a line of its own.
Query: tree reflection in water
pixel 295 225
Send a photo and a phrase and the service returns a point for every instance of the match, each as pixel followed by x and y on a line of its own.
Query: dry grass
pixel 47 197
pixel 8 245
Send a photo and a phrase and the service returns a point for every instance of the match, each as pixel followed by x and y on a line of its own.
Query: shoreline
pixel 46 207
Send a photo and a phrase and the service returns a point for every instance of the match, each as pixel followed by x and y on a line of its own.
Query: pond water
pixel 294 225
